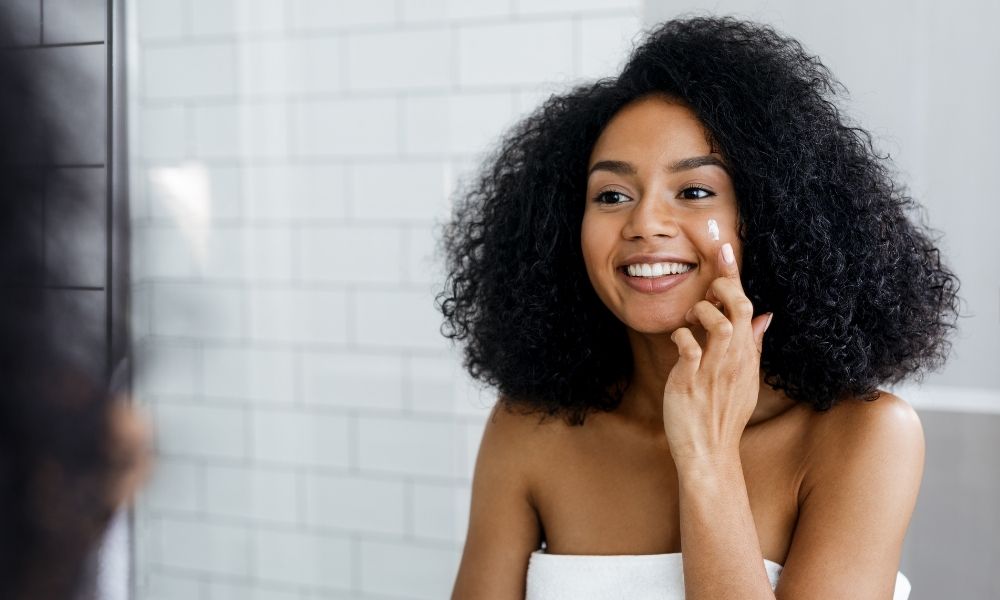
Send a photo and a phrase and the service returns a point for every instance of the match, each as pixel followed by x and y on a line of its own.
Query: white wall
pixel 316 435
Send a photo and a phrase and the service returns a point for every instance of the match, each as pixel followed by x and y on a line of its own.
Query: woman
pixel 617 265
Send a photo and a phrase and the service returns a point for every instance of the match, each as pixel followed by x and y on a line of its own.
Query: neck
pixel 653 358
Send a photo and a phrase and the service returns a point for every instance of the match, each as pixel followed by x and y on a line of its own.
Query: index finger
pixel 726 261
pixel 729 289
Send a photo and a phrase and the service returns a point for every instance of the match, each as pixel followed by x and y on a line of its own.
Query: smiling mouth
pixel 652 283
pixel 655 270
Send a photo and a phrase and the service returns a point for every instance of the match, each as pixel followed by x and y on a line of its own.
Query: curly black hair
pixel 832 243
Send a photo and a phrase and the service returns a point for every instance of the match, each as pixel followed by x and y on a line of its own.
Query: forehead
pixel 652 128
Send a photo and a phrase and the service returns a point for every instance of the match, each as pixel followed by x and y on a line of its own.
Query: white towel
pixel 625 577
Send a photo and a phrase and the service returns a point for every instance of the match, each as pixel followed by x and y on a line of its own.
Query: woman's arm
pixel 503 525
pixel 708 399
pixel 722 555
pixel 856 500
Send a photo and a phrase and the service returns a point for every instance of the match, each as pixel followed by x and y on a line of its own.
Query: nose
pixel 650 217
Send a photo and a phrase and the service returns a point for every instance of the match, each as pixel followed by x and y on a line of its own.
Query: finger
pixel 726 269
pixel 720 330
pixel 727 263
pixel 760 324
pixel 737 307
pixel 690 355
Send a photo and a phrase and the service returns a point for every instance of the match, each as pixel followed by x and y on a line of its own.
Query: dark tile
pixel 74 101
pixel 74 21
pixel 80 317
pixel 76 227
pixel 23 19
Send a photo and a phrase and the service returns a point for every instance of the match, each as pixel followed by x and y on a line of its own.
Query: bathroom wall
pixel 923 78
pixel 290 161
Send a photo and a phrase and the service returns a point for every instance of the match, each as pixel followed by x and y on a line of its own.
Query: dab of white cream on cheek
pixel 713 229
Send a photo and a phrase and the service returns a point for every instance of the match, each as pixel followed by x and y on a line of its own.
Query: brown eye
pixel 610 197
pixel 695 193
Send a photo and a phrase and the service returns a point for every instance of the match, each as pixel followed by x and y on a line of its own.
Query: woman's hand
pixel 711 392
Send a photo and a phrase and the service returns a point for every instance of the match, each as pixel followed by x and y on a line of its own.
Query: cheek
pixel 597 241
pixel 593 242
pixel 712 230
pixel 701 232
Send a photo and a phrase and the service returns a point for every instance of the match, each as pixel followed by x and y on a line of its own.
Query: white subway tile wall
pixel 176 486
pixel 189 544
pixel 293 161
pixel 189 71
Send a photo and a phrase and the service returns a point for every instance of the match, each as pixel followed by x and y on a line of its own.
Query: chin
pixel 653 325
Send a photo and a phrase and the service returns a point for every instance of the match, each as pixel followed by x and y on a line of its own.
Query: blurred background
pixel 284 166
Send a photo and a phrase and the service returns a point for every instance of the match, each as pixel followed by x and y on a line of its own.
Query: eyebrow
pixel 621 167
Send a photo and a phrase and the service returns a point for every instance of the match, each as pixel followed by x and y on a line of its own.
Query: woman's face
pixel 656 195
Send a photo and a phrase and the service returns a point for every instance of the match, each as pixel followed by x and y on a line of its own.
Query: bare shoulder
pixel 856 500
pixel 503 525
pixel 887 409
pixel 523 439
pixel 517 432
pixel 856 420
pixel 886 430
pixel 517 420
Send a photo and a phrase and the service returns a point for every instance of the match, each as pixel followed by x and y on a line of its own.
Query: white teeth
pixel 657 269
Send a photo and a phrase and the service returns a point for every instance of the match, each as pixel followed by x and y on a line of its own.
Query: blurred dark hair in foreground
pixel 64 440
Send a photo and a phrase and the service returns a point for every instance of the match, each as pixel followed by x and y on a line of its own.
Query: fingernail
pixel 727 253
pixel 770 316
